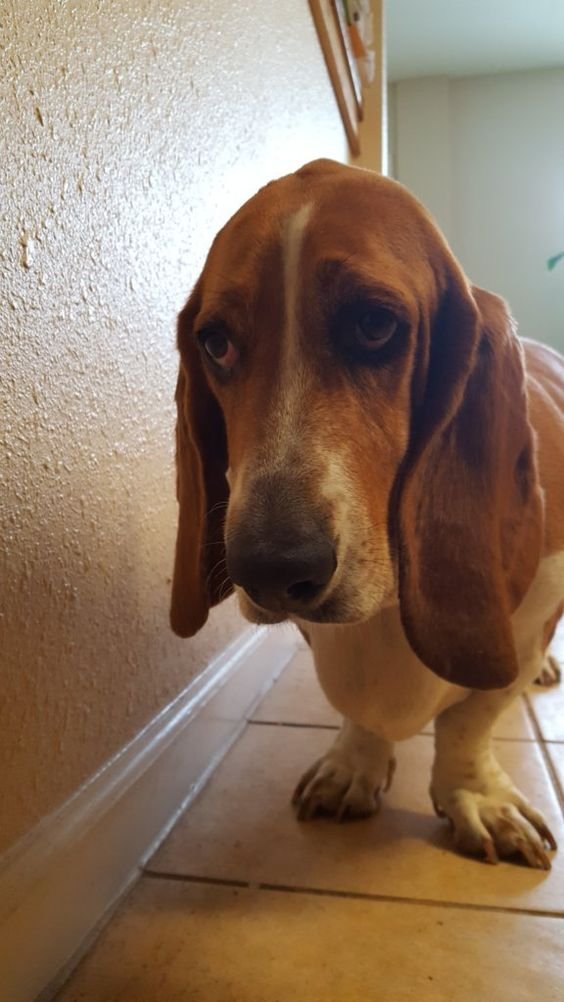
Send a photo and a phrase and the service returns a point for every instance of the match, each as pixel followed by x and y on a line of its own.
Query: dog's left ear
pixel 469 520
pixel 200 577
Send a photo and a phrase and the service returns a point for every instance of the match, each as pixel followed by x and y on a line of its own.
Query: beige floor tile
pixel 297 698
pixel 243 827
pixel 556 752
pixel 548 704
pixel 175 941
pixel 548 708
pixel 557 644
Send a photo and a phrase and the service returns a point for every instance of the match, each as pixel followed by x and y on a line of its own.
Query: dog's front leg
pixel 489 815
pixel 346 782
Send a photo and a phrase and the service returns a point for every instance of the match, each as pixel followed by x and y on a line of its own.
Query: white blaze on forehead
pixel 291 384
pixel 293 239
pixel 282 423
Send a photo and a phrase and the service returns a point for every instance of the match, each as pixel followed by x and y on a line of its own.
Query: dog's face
pixel 308 328
pixel 333 371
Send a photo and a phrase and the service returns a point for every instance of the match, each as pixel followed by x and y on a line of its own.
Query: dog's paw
pixel 334 788
pixel 496 823
pixel 551 672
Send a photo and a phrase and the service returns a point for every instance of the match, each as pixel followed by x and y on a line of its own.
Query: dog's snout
pixel 283 575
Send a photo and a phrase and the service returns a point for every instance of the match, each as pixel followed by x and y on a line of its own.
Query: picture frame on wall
pixel 330 19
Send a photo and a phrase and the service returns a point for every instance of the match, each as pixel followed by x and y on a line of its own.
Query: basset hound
pixel 366 449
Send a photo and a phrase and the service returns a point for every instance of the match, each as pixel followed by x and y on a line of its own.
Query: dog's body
pixel 365 442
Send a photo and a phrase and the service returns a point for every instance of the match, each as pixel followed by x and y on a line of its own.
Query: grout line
pixel 347 895
pixel 194 879
pixel 545 753
pixel 495 738
pixel 290 723
pixel 515 741
pixel 335 727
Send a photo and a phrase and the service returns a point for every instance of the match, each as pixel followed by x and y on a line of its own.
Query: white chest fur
pixel 370 674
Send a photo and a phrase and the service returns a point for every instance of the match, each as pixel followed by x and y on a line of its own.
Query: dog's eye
pixel 219 348
pixel 373 327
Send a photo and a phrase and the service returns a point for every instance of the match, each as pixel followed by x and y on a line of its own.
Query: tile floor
pixel 242 903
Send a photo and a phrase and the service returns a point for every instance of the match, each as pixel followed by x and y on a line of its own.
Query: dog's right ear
pixel 200 577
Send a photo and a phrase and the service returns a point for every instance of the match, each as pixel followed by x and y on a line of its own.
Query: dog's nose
pixel 282 577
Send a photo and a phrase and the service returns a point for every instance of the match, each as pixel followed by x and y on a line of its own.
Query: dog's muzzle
pixel 279 552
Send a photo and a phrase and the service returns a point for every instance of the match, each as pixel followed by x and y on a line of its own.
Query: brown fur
pixel 545 390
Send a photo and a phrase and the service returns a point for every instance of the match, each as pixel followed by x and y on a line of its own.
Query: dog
pixel 365 448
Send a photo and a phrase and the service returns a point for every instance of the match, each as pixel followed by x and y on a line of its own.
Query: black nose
pixel 280 575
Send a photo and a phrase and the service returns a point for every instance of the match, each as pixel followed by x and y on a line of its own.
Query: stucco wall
pixel 130 131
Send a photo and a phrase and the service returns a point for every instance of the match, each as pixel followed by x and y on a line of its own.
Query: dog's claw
pixel 547 835
pixel 535 856
pixel 350 812
pixel 436 806
pixel 300 787
pixel 551 672
pixel 489 851
pixel 392 765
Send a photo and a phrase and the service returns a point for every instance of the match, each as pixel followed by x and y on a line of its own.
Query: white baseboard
pixel 59 882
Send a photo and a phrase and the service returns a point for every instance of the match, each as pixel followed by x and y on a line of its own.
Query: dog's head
pixel 352 427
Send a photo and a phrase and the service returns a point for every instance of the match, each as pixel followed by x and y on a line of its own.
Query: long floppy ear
pixel 470 518
pixel 200 579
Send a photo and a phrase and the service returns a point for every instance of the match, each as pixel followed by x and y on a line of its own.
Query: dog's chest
pixel 370 674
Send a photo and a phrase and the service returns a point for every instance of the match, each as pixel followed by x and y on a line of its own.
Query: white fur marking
pixel 293 241
pixel 291 386
pixel 282 429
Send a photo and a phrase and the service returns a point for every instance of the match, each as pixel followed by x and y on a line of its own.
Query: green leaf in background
pixel 553 261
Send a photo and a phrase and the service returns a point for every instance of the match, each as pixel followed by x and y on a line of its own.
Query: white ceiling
pixel 467 37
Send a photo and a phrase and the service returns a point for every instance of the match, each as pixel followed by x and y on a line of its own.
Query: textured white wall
pixel 486 155
pixel 130 131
